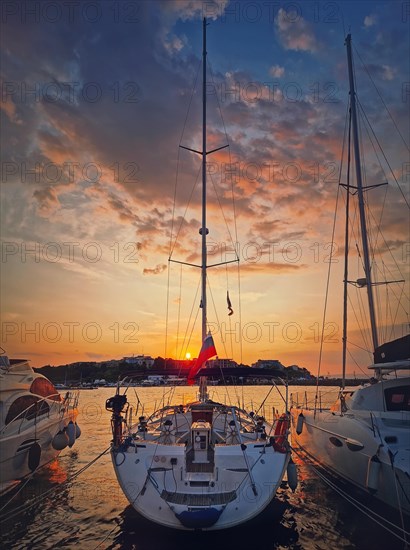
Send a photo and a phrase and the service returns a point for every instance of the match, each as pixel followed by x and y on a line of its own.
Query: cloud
pixel 294 32
pixel 7 105
pixel 174 44
pixel 284 149
pixel 194 9
pixel 263 268
pixel 160 268
pixel 370 20
pixel 47 200
pixel 389 73
pixel 277 71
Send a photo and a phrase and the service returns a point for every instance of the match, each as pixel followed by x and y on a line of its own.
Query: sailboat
pixel 364 438
pixel 204 465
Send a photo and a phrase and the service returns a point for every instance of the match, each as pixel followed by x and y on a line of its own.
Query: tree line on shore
pixel 87 372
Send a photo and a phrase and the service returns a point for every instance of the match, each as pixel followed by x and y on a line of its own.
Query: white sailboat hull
pixel 156 482
pixel 348 443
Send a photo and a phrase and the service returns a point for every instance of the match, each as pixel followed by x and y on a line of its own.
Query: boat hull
pixel 155 480
pixel 367 450
pixel 31 447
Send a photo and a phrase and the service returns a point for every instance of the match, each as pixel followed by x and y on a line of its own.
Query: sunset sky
pixel 94 106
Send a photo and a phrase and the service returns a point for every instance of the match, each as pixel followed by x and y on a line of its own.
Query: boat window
pixel 27 407
pixel 43 387
pixel 398 399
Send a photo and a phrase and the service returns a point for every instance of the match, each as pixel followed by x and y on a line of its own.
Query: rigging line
pixel 174 204
pixel 192 330
pixel 362 161
pixel 381 98
pixel 378 227
pixel 186 209
pixel 397 312
pixel 229 154
pixel 384 156
pixel 57 489
pixel 367 350
pixel 234 243
pixel 391 255
pixel 363 316
pixel 357 364
pixel 388 307
pixel 402 276
pixel 384 276
pixel 216 315
pixel 389 311
pixel 190 317
pixel 29 478
pixel 167 314
pixel 223 342
pixel 327 291
pixel 378 224
pixel 179 309
pixel 223 215
pixel 107 536
pixel 240 314
pixel 330 258
pixel 190 99
pixel 359 323
pixel 178 157
pixel 226 392
pixel 229 318
pixel 371 514
pixel 377 289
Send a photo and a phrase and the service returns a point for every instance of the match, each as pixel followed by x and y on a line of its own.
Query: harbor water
pixel 76 503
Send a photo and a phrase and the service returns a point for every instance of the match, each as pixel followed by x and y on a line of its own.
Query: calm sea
pixel 89 510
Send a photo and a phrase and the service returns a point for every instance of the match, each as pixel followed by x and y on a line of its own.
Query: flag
pixel 207 351
pixel 229 304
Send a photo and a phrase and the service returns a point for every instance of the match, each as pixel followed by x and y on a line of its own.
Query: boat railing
pixel 176 421
pixel 323 400
pixel 36 411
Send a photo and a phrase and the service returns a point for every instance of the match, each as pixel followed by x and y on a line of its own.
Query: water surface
pixel 90 511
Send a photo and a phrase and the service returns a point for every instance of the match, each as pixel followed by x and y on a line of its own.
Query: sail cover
pixel 395 350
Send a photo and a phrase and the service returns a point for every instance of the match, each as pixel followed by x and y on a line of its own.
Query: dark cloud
pixel 156 270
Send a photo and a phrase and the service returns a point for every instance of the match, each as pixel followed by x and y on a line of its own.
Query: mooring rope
pixel 371 514
pixel 47 493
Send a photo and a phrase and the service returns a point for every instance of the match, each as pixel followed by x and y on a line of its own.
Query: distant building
pixel 219 363
pixel 140 361
pixel 268 364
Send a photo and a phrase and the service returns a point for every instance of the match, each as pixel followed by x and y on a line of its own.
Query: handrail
pixel 70 400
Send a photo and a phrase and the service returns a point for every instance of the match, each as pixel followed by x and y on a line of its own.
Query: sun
pixel 187 355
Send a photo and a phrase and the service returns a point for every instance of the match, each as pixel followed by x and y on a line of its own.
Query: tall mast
pixel 203 381
pixel 203 227
pixel 346 262
pixel 365 244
